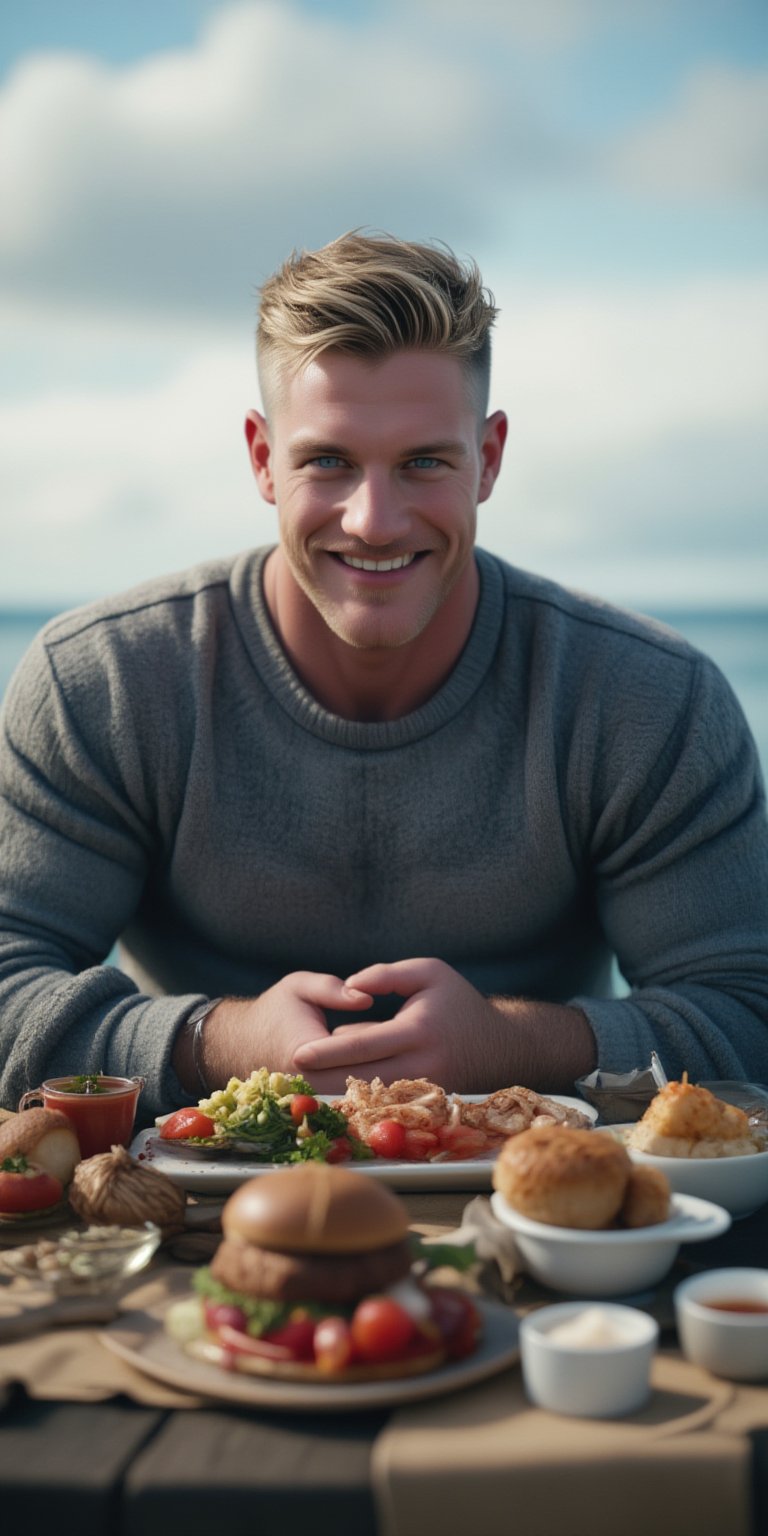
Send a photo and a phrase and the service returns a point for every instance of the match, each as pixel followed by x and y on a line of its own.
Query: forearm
pixel 710 1032
pixel 544 1046
pixel 206 1055
pixel 56 1020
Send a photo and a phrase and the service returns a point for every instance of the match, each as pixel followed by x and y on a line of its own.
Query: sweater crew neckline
pixel 271 663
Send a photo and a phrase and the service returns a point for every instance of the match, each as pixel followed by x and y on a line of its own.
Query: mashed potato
pixel 687 1121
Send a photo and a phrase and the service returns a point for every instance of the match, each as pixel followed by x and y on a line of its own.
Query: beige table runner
pixel 487 1462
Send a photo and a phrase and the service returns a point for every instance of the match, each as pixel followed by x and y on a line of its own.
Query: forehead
pixel 418 394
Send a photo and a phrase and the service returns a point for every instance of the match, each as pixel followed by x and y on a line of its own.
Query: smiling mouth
pixel 396 563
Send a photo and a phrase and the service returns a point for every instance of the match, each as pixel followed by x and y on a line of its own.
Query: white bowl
pixel 611 1263
pixel 601 1381
pixel 739 1184
pixel 732 1344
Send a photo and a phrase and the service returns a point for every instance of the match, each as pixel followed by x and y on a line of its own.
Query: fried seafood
pixel 420 1105
pixel 413 1102
pixel 688 1121
pixel 512 1110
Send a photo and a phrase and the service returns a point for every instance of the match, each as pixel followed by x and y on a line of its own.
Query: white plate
pixel 219 1176
pixel 139 1338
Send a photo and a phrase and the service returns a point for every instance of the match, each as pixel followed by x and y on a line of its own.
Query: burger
pixel 314 1280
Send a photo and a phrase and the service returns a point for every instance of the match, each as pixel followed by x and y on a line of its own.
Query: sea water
pixel 737 639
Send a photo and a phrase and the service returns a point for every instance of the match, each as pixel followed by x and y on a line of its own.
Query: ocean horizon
pixel 735 638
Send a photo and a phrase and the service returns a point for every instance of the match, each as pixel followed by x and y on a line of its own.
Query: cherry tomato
pixel 297 1335
pixel 185 1123
pixel 223 1314
pixel 419 1146
pixel 387 1138
pixel 333 1344
pixel 462 1140
pixel 303 1104
pixel 339 1151
pixel 457 1318
pixel 381 1329
pixel 28 1189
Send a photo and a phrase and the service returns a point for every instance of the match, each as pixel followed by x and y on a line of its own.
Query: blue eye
pixel 423 461
pixel 327 461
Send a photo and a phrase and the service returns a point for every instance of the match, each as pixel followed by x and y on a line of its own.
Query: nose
pixel 375 512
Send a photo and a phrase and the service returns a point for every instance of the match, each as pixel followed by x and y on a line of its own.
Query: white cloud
pixel 179 180
pixel 710 143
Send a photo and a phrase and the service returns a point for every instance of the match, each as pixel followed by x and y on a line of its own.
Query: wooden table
pixel 117 1469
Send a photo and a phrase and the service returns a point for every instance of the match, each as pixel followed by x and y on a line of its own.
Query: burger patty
pixel 328 1278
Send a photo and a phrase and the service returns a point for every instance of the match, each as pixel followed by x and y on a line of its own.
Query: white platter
pixel 220 1176
pixel 140 1339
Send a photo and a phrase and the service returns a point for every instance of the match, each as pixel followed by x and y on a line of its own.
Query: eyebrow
pixel 315 448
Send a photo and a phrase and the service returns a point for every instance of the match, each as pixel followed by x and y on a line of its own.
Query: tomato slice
pixel 387 1138
pixel 185 1123
pixel 462 1140
pixel 339 1151
pixel 30 1190
pixel 420 1145
pixel 381 1329
pixel 303 1104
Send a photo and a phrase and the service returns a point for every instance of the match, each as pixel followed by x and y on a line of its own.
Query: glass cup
pixel 102 1114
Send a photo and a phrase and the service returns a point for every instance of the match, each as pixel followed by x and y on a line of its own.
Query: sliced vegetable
pixel 185 1124
pixel 23 1187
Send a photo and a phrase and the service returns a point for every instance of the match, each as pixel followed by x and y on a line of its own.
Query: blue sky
pixel 606 164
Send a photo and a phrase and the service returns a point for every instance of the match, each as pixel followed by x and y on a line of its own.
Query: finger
pixel 350 1045
pixel 402 976
pixel 329 991
pixel 390 1069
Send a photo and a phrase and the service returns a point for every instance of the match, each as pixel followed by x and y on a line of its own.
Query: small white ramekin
pixel 731 1344
pixel 607 1381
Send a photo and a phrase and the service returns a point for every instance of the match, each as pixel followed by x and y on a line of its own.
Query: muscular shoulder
pixel 133 662
pixel 620 696
pixel 582 648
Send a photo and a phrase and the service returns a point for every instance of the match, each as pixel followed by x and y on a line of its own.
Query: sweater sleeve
pixel 680 855
pixel 75 840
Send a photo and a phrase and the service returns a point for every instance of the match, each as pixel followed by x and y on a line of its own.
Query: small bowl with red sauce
pixel 722 1322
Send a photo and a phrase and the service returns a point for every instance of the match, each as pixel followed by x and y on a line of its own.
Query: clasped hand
pixel 444 1030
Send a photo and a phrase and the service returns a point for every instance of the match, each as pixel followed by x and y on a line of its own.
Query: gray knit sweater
pixel 583 786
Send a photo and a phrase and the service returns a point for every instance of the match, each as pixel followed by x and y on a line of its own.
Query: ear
pixel 491 452
pixel 260 453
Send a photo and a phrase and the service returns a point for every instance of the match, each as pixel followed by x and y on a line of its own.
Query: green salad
pixel 280 1119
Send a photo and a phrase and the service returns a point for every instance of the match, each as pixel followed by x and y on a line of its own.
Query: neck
pixel 375 684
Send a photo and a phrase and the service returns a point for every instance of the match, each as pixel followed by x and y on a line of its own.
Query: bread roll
pixel 564 1177
pixel 45 1138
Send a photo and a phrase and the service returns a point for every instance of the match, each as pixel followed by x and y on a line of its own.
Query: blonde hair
pixel 370 296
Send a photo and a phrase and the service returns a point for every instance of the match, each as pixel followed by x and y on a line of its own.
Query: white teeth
pixel 378 565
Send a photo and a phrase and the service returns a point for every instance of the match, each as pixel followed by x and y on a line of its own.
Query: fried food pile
pixel 420 1105
pixel 687 1121
pixel 584 1179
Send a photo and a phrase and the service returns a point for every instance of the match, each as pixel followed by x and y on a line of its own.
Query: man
pixel 375 778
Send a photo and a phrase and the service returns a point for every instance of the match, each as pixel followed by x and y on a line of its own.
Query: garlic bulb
pixel 113 1188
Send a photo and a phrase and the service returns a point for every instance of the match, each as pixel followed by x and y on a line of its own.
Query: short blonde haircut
pixel 371 296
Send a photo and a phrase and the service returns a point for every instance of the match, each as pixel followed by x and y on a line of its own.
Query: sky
pixel 606 164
